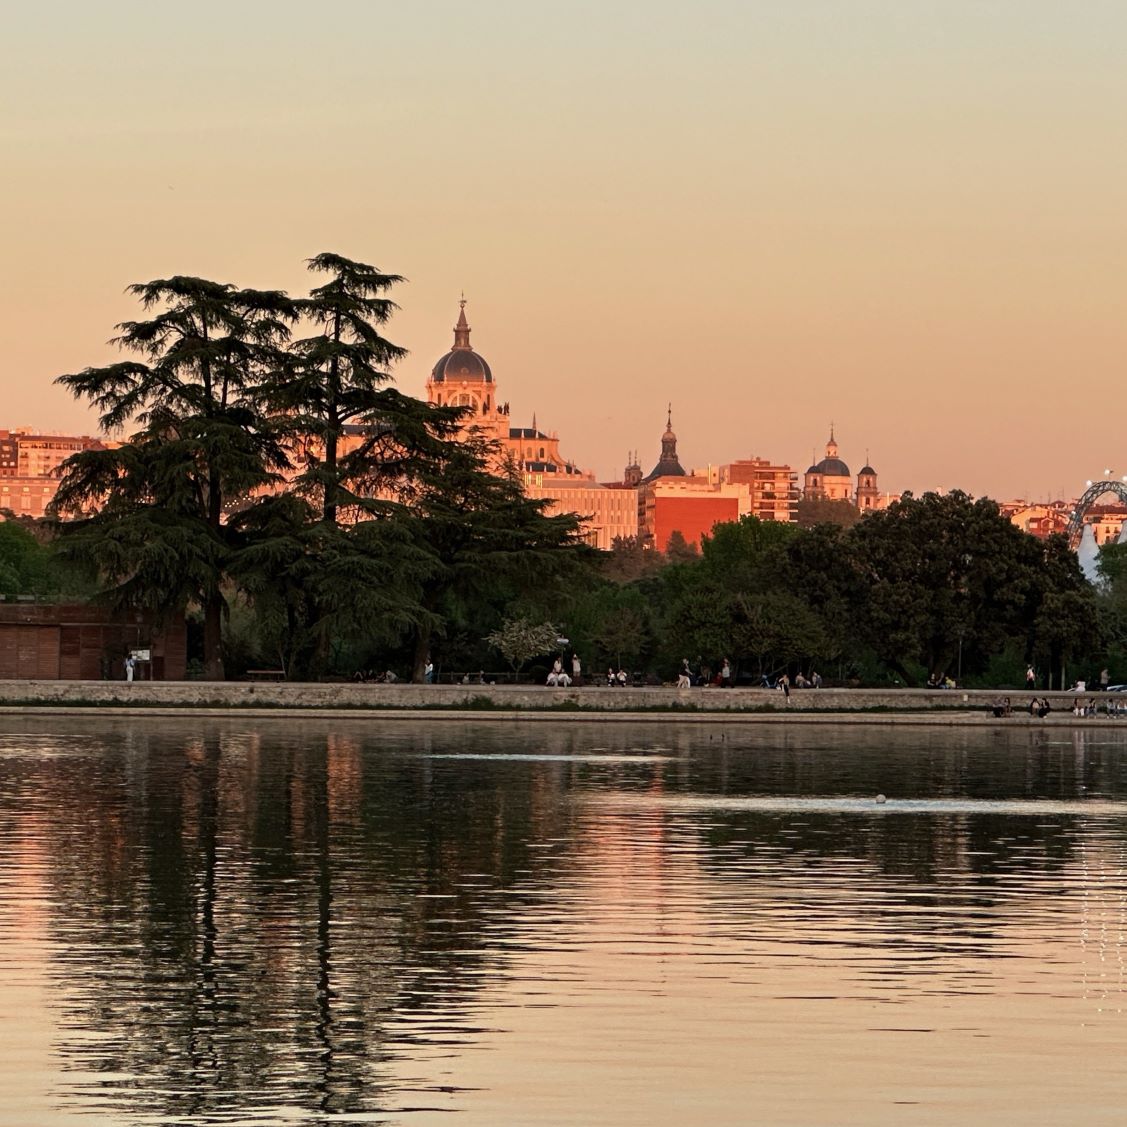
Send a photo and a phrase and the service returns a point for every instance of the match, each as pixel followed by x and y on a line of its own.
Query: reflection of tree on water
pixel 255 919
pixel 250 917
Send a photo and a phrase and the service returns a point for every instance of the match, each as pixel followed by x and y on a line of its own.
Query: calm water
pixel 298 921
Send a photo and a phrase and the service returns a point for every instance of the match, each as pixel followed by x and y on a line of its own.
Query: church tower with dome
pixel 829 479
pixel 463 378
pixel 667 464
pixel 868 496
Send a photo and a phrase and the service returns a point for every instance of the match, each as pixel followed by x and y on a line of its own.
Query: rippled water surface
pixel 306 921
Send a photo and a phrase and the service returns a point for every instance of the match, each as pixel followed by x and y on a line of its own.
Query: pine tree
pixel 150 514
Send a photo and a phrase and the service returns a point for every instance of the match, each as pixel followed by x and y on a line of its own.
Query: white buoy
pixel 881 798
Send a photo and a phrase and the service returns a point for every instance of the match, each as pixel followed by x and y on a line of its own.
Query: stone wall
pixel 241 694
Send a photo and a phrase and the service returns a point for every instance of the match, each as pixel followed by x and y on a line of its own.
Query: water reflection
pixel 292 921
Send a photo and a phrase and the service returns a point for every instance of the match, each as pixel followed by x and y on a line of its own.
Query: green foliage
pixel 630 560
pixel 942 574
pixel 519 640
pixel 336 518
pixel 30 565
pixel 678 550
pixel 149 515
pixel 810 513
pixel 482 539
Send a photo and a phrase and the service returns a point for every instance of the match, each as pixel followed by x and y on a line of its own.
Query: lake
pixel 227 921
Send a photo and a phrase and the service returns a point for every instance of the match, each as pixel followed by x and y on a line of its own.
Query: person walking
pixel 1030 677
pixel 130 665
pixel 576 669
pixel 726 675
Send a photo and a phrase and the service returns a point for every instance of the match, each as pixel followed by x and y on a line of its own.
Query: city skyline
pixel 902 218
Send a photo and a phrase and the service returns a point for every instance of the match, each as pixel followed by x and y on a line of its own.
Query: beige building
pixel 609 512
pixel 29 463
pixel 772 489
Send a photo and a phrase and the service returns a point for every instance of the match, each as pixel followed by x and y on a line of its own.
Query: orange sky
pixel 905 216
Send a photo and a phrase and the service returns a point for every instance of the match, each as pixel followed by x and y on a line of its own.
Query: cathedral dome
pixel 830 467
pixel 461 362
pixel 867 471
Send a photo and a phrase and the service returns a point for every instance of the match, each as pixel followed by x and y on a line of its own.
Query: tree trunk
pixel 213 638
pixel 422 648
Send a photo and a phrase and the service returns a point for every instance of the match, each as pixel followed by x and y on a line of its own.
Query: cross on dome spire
pixel 462 328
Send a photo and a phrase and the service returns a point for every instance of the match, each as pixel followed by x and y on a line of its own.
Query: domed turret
pixel 867 493
pixel 831 465
pixel 667 464
pixel 461 363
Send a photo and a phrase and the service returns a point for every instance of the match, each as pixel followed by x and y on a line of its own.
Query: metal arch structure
pixel 1091 495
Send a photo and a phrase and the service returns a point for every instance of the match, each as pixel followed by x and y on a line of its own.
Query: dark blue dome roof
pixel 462 364
pixel 830 467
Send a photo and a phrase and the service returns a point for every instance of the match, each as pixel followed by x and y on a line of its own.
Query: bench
pixel 266 674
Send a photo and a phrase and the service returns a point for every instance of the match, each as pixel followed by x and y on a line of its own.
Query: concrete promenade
pixel 657 703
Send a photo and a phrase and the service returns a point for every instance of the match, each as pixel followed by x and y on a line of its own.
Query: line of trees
pixel 941 584
pixel 237 496
pixel 277 486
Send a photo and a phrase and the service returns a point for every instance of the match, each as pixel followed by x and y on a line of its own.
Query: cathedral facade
pixel 464 378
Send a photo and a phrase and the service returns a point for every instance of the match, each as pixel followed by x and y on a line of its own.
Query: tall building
pixel 29 464
pixel 773 489
pixel 692 504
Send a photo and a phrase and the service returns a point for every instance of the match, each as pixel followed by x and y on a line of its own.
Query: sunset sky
pixel 907 217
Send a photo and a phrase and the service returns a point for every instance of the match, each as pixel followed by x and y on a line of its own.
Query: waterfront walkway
pixel 460 702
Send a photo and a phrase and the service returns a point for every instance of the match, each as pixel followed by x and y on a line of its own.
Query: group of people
pixel 559 678
pixel 1002 707
pixel 723 679
pixel 1080 686
pixel 372 677
pixel 1090 708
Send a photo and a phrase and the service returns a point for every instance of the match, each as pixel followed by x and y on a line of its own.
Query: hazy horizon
pixel 902 217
